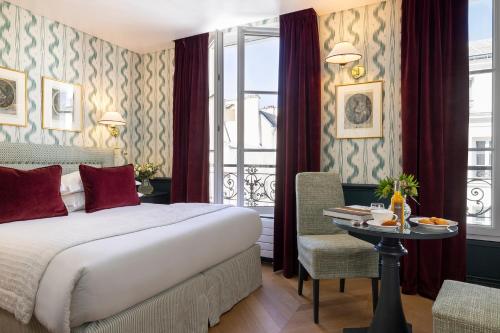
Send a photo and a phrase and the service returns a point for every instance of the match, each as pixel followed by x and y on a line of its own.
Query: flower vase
pixel 146 187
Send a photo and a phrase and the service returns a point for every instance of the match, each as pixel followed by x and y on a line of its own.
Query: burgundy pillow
pixel 30 194
pixel 108 187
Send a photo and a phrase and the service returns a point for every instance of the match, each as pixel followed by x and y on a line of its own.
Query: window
pixel 483 217
pixel 244 116
pixel 483 160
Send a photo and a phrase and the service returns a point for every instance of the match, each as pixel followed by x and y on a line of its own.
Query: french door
pixel 244 111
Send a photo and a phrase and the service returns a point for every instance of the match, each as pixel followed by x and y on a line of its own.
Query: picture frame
pixel 359 108
pixel 62 105
pixel 13 97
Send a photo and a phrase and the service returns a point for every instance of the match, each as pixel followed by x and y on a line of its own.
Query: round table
pixel 389 316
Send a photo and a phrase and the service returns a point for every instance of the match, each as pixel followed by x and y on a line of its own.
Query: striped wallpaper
pixel 140 87
pixel 113 78
pixel 375 30
pixel 156 117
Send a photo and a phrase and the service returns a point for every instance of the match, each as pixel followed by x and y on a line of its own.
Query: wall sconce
pixel 358 71
pixel 344 53
pixel 113 119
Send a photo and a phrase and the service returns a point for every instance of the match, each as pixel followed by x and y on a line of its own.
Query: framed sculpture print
pixel 359 110
pixel 13 110
pixel 62 107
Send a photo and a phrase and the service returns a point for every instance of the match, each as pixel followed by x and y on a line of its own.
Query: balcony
pixel 479 191
pixel 259 184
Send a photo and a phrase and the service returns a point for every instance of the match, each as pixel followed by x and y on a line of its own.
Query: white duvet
pixel 96 279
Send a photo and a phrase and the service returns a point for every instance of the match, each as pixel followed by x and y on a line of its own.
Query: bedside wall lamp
pixel 344 53
pixel 113 119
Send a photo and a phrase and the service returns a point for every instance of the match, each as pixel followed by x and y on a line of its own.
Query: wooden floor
pixel 276 307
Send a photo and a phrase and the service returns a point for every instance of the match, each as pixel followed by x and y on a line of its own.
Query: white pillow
pixel 71 183
pixel 74 201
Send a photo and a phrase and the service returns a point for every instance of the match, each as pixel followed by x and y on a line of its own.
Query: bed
pixel 177 271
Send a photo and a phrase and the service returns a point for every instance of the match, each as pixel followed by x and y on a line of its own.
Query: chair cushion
pixel 337 256
pixel 466 308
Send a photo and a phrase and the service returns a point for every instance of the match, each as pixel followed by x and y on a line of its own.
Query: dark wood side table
pixel 389 316
pixel 161 194
pixel 156 198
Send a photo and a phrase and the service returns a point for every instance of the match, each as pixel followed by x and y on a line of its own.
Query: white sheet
pixel 122 271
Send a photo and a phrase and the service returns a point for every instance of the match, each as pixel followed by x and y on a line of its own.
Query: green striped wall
pixel 113 78
pixel 157 107
pixel 375 30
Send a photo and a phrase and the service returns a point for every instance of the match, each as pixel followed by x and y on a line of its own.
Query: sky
pixel 262 57
pixel 480 19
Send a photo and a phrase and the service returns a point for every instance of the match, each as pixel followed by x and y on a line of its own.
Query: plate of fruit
pixel 433 222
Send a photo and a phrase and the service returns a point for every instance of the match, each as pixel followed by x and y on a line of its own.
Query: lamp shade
pixel 342 53
pixel 112 118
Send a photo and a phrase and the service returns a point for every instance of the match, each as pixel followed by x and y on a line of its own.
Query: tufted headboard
pixel 30 156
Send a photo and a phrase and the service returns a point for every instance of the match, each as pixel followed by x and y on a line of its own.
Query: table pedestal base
pixel 389 316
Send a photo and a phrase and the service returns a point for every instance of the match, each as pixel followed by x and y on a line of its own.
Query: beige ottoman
pixel 466 308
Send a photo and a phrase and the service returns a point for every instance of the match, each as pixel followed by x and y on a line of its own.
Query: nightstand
pixel 156 198
pixel 161 194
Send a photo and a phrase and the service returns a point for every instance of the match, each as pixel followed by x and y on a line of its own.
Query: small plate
pixel 379 225
pixel 433 226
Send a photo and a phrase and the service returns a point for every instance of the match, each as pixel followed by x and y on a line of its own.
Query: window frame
pixel 219 114
pixel 241 92
pixel 492 232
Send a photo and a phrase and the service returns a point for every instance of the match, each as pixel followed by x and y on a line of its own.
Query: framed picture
pixel 359 110
pixel 62 107
pixel 13 110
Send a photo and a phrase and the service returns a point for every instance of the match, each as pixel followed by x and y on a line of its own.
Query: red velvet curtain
pixel 435 117
pixel 190 120
pixel 299 126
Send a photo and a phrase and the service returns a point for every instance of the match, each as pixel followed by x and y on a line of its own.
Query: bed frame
pixel 189 307
pixel 28 156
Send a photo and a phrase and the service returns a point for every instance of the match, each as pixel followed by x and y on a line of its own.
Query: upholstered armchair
pixel 326 251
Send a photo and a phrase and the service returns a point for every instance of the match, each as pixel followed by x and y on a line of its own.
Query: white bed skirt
pixel 185 308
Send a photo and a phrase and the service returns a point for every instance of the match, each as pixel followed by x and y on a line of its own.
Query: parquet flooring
pixel 276 307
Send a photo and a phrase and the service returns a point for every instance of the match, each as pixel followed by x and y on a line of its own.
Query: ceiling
pixel 150 25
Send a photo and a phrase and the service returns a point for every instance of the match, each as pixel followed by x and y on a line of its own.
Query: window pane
pixel 479 198
pixel 229 184
pixel 230 67
pixel 230 145
pixel 480 34
pixel 480 149
pixel 260 178
pixel 261 113
pixel 261 63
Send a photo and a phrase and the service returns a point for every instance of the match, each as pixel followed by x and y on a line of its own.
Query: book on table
pixel 353 213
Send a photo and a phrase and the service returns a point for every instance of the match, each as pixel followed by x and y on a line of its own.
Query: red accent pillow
pixel 30 194
pixel 108 187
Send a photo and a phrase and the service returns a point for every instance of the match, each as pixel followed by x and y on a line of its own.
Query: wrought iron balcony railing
pixel 259 184
pixel 479 189
pixel 260 181
pixel 479 196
